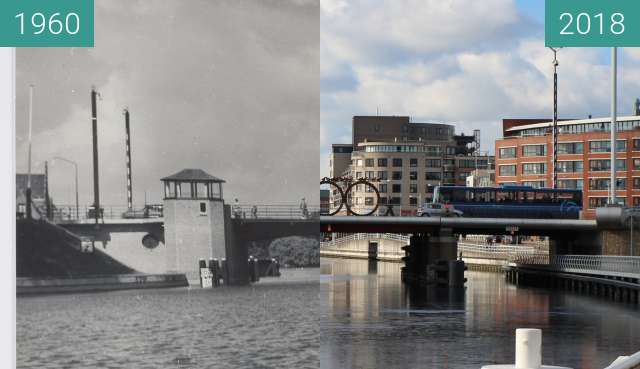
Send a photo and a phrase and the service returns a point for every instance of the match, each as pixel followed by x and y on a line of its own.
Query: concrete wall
pixel 617 242
pixel 190 235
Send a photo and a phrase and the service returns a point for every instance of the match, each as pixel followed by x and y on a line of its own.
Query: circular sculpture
pixel 350 184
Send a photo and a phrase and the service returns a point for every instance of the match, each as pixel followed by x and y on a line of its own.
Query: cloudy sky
pixel 467 62
pixel 229 86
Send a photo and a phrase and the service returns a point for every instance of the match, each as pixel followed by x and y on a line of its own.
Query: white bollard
pixel 528 348
pixel 528 351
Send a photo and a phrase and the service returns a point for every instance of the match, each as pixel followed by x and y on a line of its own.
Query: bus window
pixel 470 195
pixel 501 196
pixel 458 195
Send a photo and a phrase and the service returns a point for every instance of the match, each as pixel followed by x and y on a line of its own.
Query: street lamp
pixel 555 116
pixel 75 165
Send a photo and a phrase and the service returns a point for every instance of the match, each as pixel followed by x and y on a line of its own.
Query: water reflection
pixel 369 319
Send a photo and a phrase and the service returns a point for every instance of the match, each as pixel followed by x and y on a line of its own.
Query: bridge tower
pixel 194 221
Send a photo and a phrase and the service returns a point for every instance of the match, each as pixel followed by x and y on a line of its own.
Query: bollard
pixel 224 271
pixel 213 267
pixel 528 351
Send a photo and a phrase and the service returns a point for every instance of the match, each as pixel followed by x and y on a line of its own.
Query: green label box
pixel 46 23
pixel 592 23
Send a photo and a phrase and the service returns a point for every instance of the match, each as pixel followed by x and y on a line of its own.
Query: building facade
pixel 524 156
pixel 404 160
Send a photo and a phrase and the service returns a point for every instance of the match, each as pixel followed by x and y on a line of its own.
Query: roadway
pixel 489 226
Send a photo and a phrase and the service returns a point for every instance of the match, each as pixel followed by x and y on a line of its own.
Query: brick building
pixel 408 159
pixel 524 156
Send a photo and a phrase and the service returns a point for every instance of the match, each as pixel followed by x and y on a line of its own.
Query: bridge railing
pixel 496 251
pixel 282 211
pixel 598 264
pixel 336 242
pixel 73 214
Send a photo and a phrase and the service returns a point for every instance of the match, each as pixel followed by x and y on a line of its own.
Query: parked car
pixel 433 209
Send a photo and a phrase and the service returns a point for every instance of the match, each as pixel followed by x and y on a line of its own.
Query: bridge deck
pixel 377 224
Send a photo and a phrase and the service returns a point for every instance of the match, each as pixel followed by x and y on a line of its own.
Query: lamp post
pixel 555 117
pixel 75 166
pixel 614 110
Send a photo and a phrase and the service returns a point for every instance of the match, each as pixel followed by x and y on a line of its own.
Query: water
pixel 369 320
pixel 271 324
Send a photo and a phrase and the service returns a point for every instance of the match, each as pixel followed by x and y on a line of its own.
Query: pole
pixel 28 192
pixel 614 90
pixel 46 190
pixel 555 119
pixel 96 179
pixel 77 202
pixel 128 149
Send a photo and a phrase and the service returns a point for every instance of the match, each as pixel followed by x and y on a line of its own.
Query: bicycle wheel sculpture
pixel 348 187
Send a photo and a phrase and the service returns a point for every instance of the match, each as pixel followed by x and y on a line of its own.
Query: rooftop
pixel 193 175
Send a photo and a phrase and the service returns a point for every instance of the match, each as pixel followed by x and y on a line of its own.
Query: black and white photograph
pixel 166 196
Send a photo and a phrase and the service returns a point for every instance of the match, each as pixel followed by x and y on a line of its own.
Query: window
pixel 636 201
pixel 413 162
pixel 394 201
pixel 358 162
pixel 397 162
pixel 433 150
pixel 413 176
pixel 396 176
pixel 602 184
pixel 432 176
pixel 604 165
pixel 534 150
pixel 451 150
pixel 383 200
pixel 636 164
pixel 368 201
pixel 605 146
pixel 396 188
pixel 534 168
pixel 369 174
pixel 574 184
pixel 570 167
pixel 570 147
pixel 450 162
pixel 358 175
pixel 636 146
pixel 597 202
pixel 534 184
pixel 368 162
pixel 507 170
pixel 203 208
pixel 466 163
pixel 507 152
pixel 413 201
pixel 382 187
pixel 433 163
pixel 413 188
pixel 383 175
pixel 382 162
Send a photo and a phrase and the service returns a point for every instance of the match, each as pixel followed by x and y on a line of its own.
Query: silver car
pixel 431 209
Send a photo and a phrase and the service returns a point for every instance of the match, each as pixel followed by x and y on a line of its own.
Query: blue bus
pixel 511 201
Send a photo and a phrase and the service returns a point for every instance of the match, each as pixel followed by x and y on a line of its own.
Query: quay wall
pixel 38 286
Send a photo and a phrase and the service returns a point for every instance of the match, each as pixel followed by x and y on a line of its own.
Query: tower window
pixel 203 208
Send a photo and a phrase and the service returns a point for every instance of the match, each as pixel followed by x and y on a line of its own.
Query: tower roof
pixel 193 175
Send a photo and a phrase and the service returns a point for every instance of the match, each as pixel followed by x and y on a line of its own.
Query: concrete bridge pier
pixel 431 259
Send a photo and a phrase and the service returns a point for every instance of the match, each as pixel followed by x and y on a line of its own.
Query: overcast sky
pixel 467 62
pixel 227 86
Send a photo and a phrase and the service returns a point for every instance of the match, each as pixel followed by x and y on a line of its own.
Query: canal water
pixel 369 320
pixel 271 324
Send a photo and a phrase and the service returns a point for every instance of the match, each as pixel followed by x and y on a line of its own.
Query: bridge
pixel 599 248
pixel 138 237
